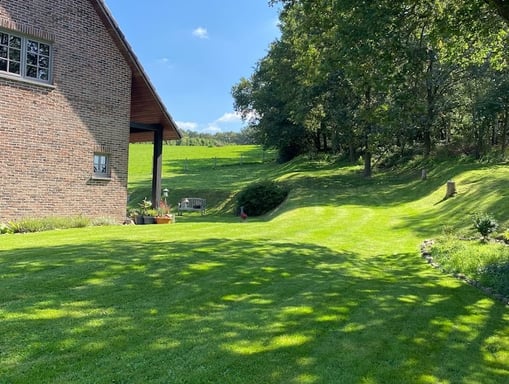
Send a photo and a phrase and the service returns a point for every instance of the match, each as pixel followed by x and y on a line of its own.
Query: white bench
pixel 194 204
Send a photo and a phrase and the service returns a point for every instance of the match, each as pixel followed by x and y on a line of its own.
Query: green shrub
pixel 485 224
pixel 261 197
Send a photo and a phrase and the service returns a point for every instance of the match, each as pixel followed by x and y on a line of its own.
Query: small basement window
pixel 25 57
pixel 102 165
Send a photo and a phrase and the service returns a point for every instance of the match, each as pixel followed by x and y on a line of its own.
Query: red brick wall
pixel 48 135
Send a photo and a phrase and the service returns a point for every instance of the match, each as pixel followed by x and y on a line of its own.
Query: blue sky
pixel 194 51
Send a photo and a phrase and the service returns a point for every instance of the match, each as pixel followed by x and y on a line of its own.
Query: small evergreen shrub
pixel 485 224
pixel 260 198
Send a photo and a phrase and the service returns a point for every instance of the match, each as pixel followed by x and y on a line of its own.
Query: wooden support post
pixel 157 167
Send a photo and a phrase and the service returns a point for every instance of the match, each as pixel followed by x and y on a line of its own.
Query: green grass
pixel 329 288
pixel 213 173
pixel 486 263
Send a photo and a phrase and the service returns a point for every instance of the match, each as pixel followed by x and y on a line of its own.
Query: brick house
pixel 72 97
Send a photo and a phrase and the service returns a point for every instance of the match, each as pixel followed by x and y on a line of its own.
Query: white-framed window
pixel 102 165
pixel 25 57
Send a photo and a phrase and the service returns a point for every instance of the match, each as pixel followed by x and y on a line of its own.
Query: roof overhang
pixel 146 106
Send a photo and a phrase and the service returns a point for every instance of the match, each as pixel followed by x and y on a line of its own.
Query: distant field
pixel 328 288
pixel 208 172
pixel 178 159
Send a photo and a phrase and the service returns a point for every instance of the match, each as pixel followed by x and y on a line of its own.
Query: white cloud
pixel 201 33
pixel 187 125
pixel 230 117
pixel 212 129
pixel 229 121
pixel 165 61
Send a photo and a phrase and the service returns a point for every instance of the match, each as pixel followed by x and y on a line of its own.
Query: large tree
pixel 367 76
pixel 265 101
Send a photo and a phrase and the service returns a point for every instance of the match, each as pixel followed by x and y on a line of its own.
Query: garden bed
pixel 490 274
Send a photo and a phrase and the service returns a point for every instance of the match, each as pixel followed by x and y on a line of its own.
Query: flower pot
pixel 149 220
pixel 163 220
pixel 138 219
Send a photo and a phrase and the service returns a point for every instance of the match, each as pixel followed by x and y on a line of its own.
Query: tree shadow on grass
pixel 332 185
pixel 235 311
pixel 474 195
pixel 384 189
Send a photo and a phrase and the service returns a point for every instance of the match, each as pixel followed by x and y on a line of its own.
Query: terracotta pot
pixel 163 220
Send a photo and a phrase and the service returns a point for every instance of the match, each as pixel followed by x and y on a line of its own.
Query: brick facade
pixel 49 133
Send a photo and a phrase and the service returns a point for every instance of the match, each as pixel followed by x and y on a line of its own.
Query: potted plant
pixel 135 216
pixel 150 216
pixel 163 213
pixel 147 212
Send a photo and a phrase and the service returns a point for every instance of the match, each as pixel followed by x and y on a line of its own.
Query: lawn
pixel 329 288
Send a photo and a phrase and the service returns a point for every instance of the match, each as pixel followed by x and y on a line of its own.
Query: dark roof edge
pixel 134 62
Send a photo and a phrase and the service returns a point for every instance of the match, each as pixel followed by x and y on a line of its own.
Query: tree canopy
pixel 502 6
pixel 376 79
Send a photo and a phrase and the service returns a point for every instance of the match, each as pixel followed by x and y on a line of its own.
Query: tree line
pixel 193 138
pixel 375 79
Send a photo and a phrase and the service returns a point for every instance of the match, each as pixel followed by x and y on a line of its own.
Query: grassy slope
pixel 213 172
pixel 328 289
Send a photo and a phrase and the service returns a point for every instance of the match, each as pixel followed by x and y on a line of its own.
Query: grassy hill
pixel 328 288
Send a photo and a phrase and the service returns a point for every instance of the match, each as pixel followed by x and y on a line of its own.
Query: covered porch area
pixel 150 122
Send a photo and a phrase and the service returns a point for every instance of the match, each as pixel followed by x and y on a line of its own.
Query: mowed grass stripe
pixel 328 288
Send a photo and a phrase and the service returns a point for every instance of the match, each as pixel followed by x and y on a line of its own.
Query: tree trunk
pixel 316 140
pixel 351 150
pixel 451 189
pixel 325 143
pixel 367 163
pixel 479 143
pixel 367 128
pixel 430 101
pixel 427 142
pixel 503 140
pixel 367 155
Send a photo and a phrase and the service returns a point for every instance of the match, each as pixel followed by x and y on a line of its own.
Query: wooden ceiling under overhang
pixel 146 106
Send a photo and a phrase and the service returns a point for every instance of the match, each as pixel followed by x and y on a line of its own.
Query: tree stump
pixel 451 189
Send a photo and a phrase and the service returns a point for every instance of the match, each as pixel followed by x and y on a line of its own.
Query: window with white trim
pixel 25 57
pixel 102 165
